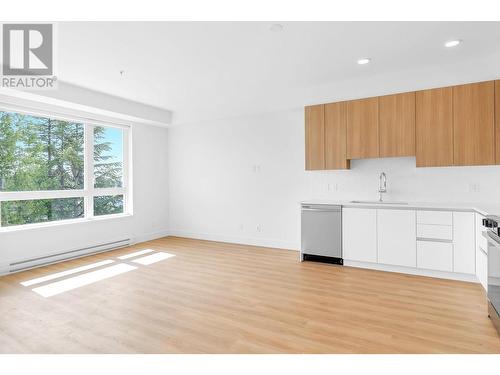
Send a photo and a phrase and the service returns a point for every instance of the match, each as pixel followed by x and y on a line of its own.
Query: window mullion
pixel 126 171
pixel 89 171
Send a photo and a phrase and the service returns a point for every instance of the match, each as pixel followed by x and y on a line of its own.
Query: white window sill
pixel 24 227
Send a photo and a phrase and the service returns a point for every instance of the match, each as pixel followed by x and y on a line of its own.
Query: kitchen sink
pixel 379 202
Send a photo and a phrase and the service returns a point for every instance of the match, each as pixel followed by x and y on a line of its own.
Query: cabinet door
pixel 362 129
pixel 315 137
pixel 434 127
pixel 464 256
pixel 474 124
pixel 497 117
pixel 397 125
pixel 435 256
pixel 336 136
pixel 397 240
pixel 359 234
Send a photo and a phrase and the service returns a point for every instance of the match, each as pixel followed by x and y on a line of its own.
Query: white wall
pixel 150 219
pixel 229 176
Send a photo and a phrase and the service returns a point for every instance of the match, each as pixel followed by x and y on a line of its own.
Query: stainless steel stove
pixel 492 233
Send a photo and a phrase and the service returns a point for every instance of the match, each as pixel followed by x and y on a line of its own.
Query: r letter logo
pixel 27 49
pixel 28 56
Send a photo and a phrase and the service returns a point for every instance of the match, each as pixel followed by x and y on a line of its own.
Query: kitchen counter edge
pixel 480 208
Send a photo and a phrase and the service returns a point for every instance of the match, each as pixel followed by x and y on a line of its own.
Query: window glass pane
pixel 38 153
pixel 40 211
pixel 108 157
pixel 108 205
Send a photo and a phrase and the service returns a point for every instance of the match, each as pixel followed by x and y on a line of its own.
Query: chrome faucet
pixel 382 186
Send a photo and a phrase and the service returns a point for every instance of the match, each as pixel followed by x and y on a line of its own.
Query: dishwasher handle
pixel 322 209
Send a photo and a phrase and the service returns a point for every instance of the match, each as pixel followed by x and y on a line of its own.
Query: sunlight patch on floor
pixel 57 275
pixel 150 259
pixel 58 287
pixel 135 254
pixel 87 278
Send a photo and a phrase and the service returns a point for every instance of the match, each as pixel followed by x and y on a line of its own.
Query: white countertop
pixel 481 208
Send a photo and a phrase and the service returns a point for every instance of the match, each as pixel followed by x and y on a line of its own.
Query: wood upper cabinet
pixel 497 117
pixel 397 125
pixel 336 136
pixel 434 127
pixel 315 137
pixel 474 124
pixel 362 129
pixel 447 126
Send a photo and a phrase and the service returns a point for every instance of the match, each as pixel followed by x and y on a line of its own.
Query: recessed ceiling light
pixel 276 27
pixel 452 43
pixel 364 61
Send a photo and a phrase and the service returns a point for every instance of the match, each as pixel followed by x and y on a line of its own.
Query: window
pixel 54 169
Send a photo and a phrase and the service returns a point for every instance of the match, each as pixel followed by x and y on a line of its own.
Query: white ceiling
pixel 221 69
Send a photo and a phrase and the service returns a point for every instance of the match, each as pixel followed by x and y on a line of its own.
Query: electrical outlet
pixel 259 228
pixel 332 187
pixel 474 188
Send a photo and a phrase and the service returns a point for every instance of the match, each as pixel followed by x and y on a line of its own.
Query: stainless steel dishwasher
pixel 321 233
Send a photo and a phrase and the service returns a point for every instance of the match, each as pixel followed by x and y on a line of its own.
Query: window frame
pixel 89 191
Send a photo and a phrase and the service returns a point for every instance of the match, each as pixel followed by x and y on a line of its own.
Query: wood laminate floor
pixel 224 298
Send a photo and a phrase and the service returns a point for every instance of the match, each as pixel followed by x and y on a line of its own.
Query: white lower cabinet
pixel 397 237
pixel 359 234
pixel 464 259
pixel 428 240
pixel 435 255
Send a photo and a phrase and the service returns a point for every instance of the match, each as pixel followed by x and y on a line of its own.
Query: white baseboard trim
pixel 4 269
pixel 263 242
pixel 62 256
pixel 150 236
pixel 412 271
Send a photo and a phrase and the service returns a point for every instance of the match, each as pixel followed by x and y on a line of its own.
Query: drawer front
pixel 435 232
pixel 435 255
pixel 435 217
